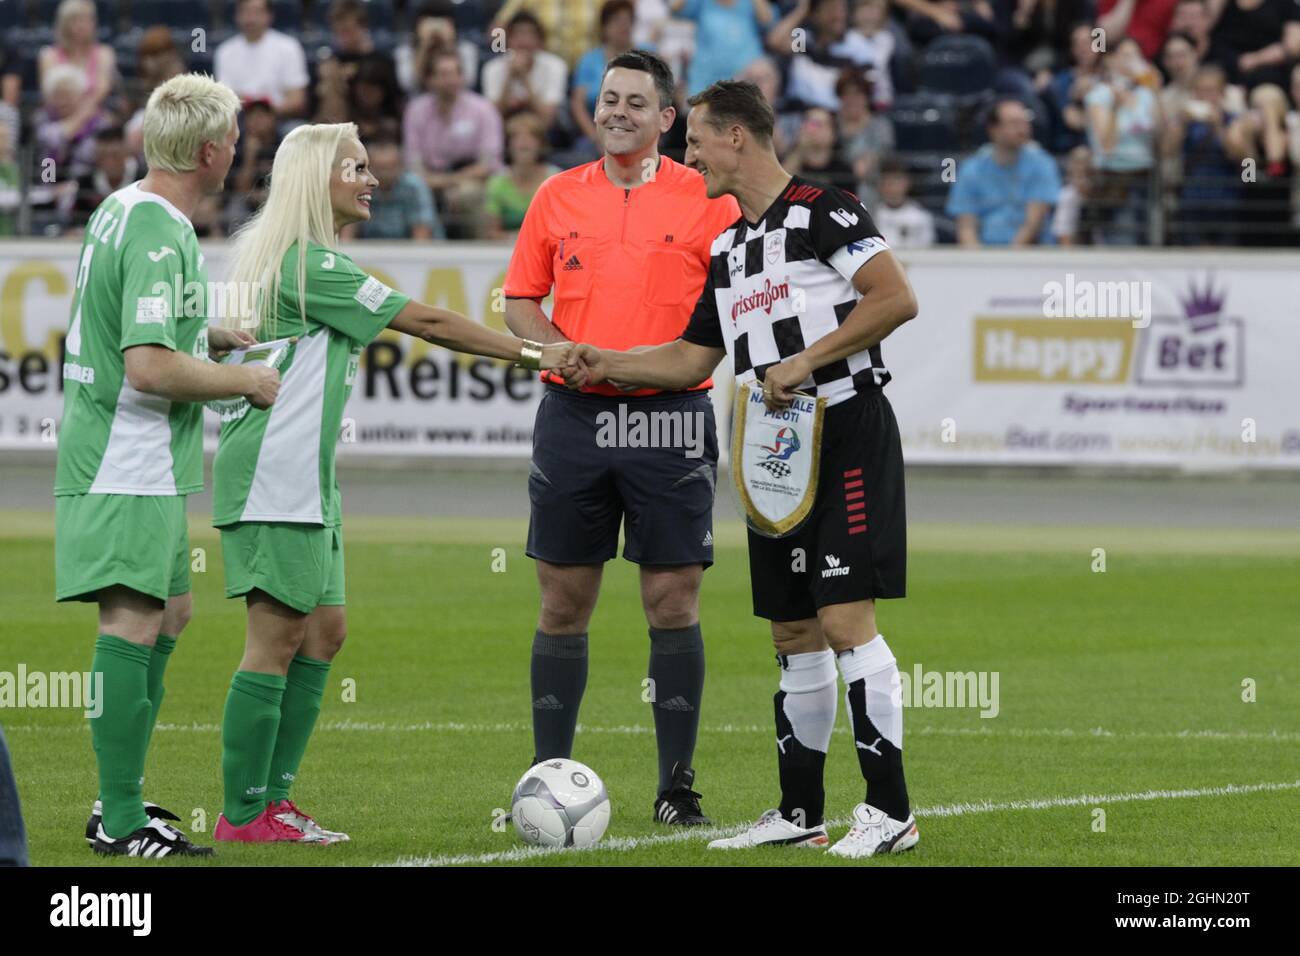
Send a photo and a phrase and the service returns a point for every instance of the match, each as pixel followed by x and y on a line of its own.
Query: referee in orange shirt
pixel 624 244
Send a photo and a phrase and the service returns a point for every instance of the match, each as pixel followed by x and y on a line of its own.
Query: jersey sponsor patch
pixel 372 294
pixel 151 310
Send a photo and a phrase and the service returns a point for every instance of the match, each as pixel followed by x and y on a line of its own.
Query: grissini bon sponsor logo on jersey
pixel 764 298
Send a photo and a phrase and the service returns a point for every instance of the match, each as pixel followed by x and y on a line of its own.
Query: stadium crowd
pixel 980 122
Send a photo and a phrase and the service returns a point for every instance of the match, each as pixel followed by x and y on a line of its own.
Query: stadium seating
pixel 925 123
pixel 180 14
pixel 472 19
pixel 126 46
pixel 26 43
pixel 11 15
pixel 961 65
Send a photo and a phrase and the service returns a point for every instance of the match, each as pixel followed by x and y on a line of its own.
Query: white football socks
pixel 810 700
pixel 874 662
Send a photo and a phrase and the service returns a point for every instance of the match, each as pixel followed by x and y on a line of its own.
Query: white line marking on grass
pixel 452 727
pixel 623 844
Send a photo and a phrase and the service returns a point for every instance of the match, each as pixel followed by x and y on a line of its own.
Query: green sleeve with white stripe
pixel 150 258
pixel 342 296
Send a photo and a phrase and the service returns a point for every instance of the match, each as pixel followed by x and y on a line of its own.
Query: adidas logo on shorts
pixel 708 539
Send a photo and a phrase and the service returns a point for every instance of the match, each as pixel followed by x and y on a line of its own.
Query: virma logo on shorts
pixel 637 428
pixel 834 569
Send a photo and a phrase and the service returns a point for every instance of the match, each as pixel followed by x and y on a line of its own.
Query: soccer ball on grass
pixel 560 803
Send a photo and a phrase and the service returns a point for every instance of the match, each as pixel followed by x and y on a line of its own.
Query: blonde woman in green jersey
pixel 131 440
pixel 275 495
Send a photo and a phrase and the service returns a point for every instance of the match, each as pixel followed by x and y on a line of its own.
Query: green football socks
pixel 162 652
pixel 248 735
pixel 304 688
pixel 120 734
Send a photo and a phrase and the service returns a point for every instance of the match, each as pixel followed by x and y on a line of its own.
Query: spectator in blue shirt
pixel 727 37
pixel 616 20
pixel 401 206
pixel 1123 116
pixel 1003 193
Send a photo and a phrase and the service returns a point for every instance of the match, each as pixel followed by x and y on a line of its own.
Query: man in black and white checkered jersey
pixel 801 291
pixel 786 282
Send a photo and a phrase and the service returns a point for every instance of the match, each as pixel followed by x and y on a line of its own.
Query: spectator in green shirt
pixel 509 193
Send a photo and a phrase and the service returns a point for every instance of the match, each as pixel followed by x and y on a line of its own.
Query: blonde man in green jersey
pixel 276 497
pixel 131 442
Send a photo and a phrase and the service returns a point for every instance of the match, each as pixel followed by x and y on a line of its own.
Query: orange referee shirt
pixel 626 265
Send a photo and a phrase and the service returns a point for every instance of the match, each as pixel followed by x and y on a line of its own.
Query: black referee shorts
pixel 599 459
pixel 853 547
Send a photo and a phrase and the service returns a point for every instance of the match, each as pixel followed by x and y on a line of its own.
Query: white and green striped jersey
pixel 140 281
pixel 277 464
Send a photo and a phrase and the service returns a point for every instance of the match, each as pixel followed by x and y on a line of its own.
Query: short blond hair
pixel 61 75
pixel 182 114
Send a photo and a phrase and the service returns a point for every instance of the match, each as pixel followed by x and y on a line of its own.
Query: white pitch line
pixel 623 844
pixel 449 727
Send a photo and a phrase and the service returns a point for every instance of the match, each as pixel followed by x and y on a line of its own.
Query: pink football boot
pixel 266 827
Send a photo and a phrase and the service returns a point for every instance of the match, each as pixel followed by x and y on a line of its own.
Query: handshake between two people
pixel 672 366
pixel 587 366
pixel 579 364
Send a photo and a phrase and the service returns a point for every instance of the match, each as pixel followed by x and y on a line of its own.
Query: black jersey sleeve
pixel 838 218
pixel 704 327
pixel 843 234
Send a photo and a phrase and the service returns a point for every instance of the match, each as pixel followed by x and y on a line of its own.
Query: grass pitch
pixel 1119 690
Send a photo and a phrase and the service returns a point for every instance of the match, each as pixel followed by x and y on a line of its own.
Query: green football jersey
pixel 277 464
pixel 140 281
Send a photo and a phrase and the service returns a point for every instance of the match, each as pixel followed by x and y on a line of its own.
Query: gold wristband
pixel 530 356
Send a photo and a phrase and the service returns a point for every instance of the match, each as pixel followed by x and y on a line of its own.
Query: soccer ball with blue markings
pixel 560 803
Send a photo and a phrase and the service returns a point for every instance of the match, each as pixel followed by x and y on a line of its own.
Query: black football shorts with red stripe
pixel 853 547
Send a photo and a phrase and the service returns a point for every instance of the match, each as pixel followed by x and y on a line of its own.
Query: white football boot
pixel 873 832
pixel 772 829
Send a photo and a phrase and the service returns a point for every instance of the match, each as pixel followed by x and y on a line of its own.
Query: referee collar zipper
pixel 627 199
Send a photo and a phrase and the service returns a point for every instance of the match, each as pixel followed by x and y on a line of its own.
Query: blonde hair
pixel 63 74
pixel 182 114
pixel 66 11
pixel 297 210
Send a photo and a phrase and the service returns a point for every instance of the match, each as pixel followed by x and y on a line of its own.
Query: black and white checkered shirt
pixel 777 286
